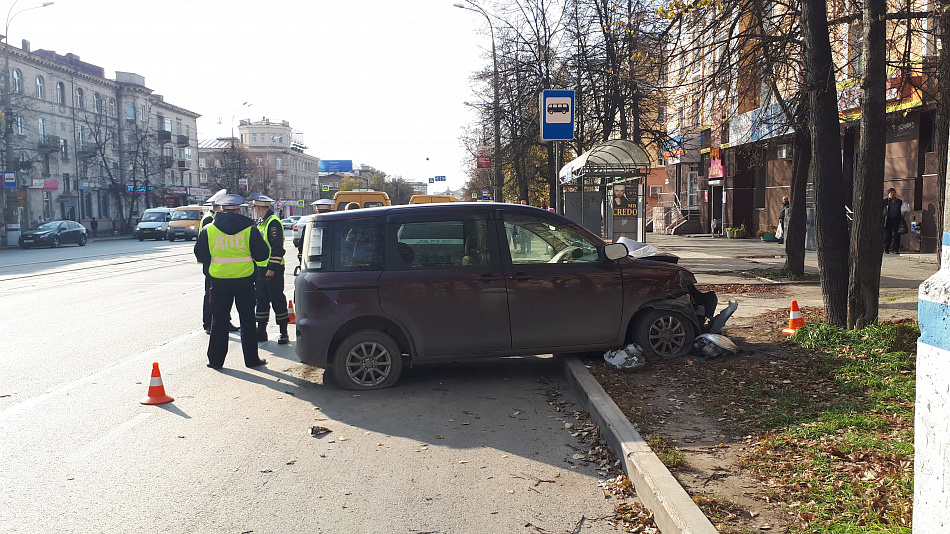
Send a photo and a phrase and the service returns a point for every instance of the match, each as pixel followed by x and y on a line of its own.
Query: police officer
pixel 270 272
pixel 229 248
pixel 206 303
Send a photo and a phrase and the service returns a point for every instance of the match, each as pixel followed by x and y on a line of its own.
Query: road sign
pixel 431 180
pixel 475 195
pixel 440 178
pixel 9 178
pixel 557 115
pixel 485 195
pixel 301 203
pixel 325 187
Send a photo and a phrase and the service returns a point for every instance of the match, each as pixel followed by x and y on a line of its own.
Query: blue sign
pixel 485 195
pixel 431 180
pixel 557 115
pixel 9 178
pixel 335 165
pixel 440 178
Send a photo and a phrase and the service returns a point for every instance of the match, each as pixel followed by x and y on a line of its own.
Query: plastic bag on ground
pixel 638 249
pixel 629 358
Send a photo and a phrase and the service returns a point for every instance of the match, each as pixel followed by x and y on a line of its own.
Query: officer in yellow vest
pixel 270 272
pixel 206 303
pixel 229 249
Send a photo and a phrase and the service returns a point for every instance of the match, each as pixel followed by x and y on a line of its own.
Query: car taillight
pixel 295 228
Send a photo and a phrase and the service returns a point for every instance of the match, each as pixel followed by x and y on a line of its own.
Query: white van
pixel 154 224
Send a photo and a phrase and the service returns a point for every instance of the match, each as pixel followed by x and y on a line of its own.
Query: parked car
pixel 289 221
pixel 54 234
pixel 385 287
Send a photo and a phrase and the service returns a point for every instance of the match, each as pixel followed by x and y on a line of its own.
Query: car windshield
pixel 154 216
pixel 190 215
pixel 47 227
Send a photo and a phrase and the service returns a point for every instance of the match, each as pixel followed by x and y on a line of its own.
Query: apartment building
pixel 81 145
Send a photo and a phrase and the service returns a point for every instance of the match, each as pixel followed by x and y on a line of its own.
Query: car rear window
pixel 186 215
pixel 357 245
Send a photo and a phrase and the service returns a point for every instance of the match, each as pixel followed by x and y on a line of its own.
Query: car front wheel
pixel 171 239
pixel 368 359
pixel 55 241
pixel 664 334
pixel 82 240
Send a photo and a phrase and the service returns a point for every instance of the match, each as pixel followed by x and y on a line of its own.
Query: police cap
pixel 322 202
pixel 231 201
pixel 261 200
pixel 213 199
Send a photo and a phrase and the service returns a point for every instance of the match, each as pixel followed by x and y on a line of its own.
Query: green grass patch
pixel 779 275
pixel 666 452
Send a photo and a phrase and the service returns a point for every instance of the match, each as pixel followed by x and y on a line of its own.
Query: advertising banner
pixel 335 165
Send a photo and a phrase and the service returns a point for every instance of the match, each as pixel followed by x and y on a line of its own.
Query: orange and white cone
pixel 156 391
pixel 290 312
pixel 795 320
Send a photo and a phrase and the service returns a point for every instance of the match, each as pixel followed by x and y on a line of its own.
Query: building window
pixel 64 149
pixel 201 163
pixel 188 131
pixel 112 107
pixel 97 103
pixel 42 127
pixel 178 127
pixel 168 124
pixel 142 115
pixel 130 111
pixel 17 81
pixel 40 88
pixel 60 93
pixel 279 164
pixel 19 125
pixel 254 136
pixel 81 135
pixel 80 99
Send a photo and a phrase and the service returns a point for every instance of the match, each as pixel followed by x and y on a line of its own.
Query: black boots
pixel 284 338
pixel 262 332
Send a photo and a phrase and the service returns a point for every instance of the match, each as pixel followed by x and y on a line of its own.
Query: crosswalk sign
pixel 324 187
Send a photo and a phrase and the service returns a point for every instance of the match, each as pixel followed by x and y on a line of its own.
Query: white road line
pixel 108 437
pixel 67 386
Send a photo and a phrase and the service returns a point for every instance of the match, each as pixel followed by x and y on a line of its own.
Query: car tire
pixel 664 334
pixel 141 239
pixel 55 241
pixel 368 359
pixel 82 240
pixel 187 239
pixel 24 247
pixel 171 239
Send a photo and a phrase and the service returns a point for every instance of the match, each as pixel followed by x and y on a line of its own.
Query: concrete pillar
pixel 932 410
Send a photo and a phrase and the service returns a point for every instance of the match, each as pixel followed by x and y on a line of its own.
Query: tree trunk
pixel 795 227
pixel 830 223
pixel 867 231
pixel 942 123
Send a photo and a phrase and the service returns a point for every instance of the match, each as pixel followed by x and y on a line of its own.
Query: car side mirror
pixel 615 251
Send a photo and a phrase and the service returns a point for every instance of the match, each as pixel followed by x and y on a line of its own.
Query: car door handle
pixel 487 278
pixel 521 277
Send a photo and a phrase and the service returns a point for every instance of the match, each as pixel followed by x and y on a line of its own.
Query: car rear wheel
pixel 664 334
pixel 24 247
pixel 171 239
pixel 141 238
pixel 82 240
pixel 368 359
pixel 55 241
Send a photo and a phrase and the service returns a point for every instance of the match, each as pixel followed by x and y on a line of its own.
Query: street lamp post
pixel 8 160
pixel 496 108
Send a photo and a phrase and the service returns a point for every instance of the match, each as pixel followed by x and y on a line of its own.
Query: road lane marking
pixel 100 443
pixel 26 404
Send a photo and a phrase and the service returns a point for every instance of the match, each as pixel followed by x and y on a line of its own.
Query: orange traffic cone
pixel 290 312
pixel 156 391
pixel 795 320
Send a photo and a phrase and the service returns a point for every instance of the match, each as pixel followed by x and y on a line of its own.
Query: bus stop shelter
pixel 609 179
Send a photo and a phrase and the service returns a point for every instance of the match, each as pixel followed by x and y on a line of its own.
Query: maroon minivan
pixel 387 287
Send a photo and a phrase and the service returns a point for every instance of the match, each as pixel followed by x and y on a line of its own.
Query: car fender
pixel 682 304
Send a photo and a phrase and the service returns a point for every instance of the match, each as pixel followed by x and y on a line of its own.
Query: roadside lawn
pixel 813 434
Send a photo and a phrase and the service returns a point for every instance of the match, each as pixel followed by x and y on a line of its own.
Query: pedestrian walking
pixel 894 209
pixel 206 316
pixel 270 271
pixel 228 249
pixel 782 215
pixel 94 226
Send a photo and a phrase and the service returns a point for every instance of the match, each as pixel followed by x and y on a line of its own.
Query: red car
pixel 387 287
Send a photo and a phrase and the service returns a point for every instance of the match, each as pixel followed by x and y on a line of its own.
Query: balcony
pixel 184 164
pixel 183 140
pixel 164 136
pixel 49 143
pixel 166 162
pixel 85 150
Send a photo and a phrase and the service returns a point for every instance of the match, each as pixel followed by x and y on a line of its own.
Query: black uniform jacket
pixel 231 224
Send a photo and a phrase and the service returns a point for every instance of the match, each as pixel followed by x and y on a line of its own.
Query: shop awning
pixel 617 158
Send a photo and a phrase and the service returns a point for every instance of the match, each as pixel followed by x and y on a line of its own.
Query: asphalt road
pixel 467 447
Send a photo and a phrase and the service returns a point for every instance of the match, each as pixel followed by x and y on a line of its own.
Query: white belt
pixel 241 259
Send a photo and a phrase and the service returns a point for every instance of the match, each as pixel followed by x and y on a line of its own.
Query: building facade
pixel 79 145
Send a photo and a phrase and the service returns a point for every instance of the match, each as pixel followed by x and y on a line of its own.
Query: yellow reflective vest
pixel 263 229
pixel 230 254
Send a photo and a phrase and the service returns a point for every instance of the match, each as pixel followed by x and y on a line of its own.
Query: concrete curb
pixel 673 510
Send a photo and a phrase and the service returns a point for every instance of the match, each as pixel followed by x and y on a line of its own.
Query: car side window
pixel 358 245
pixel 443 244
pixel 533 240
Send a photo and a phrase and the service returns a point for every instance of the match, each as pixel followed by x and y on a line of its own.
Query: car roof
pixel 449 207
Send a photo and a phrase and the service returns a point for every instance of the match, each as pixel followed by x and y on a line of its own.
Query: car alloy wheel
pixel 82 240
pixel 665 334
pixel 55 241
pixel 368 359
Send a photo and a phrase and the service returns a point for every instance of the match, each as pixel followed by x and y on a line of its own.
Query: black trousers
pixel 270 293
pixel 224 294
pixel 892 234
pixel 206 306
